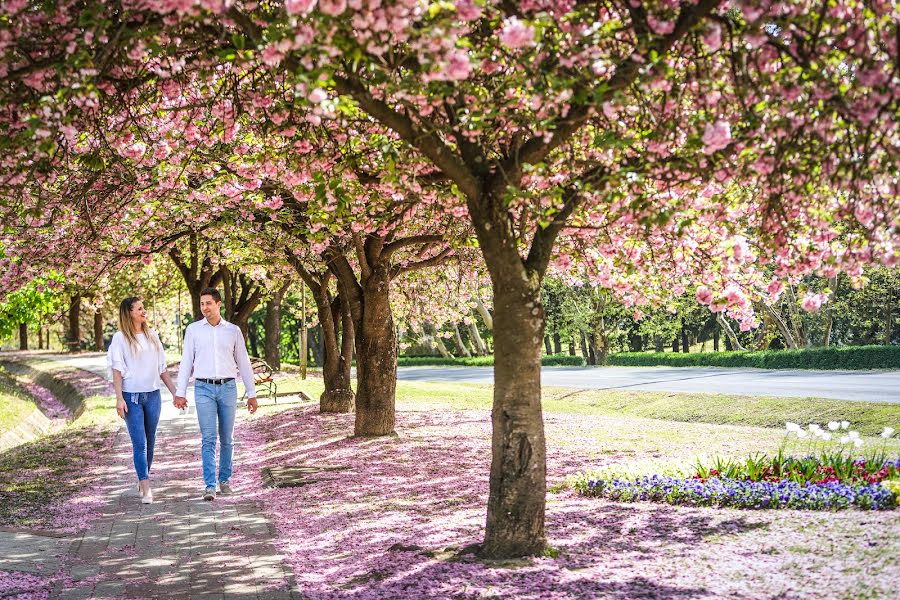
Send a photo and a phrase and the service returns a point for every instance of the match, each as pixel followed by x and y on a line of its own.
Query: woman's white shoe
pixel 147 498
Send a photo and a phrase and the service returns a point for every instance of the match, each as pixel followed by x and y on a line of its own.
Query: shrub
pixel 848 357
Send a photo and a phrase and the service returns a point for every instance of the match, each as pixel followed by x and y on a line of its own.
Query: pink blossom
pixel 712 37
pixel 813 302
pixel 704 295
pixel 716 136
pixel 516 33
pixel 458 66
pixel 332 7
pixel 317 96
pixel 299 7
pixel 467 10
pixel 775 288
pixel 661 27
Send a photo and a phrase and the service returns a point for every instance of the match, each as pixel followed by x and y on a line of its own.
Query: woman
pixel 138 363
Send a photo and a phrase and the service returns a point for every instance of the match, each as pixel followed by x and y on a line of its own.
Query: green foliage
pixel 849 357
pixel 29 305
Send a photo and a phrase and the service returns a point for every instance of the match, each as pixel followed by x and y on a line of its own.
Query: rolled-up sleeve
pixel 116 355
pixel 243 363
pixel 187 363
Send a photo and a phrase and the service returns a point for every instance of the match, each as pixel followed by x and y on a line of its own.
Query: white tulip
pixel 854 435
pixel 834 425
pixel 801 434
pixel 845 439
pixel 814 427
pixel 857 442
pixel 888 432
pixel 845 424
pixel 826 436
pixel 791 426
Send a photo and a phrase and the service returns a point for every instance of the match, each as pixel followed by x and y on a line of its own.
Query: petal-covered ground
pixel 398 515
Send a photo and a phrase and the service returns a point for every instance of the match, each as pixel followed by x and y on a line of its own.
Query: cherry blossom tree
pixel 654 144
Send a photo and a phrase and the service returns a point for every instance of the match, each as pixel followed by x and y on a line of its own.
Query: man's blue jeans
pixel 216 407
pixel 141 419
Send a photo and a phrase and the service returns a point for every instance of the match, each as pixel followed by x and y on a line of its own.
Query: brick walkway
pixel 179 546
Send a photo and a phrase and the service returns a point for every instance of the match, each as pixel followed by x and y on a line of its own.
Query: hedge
pixel 848 357
pixel 482 361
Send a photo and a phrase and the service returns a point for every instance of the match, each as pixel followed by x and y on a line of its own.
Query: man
pixel 214 352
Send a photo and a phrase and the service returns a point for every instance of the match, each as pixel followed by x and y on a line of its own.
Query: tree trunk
pixel 888 318
pixel 515 514
pixel 40 337
pixel 316 347
pixel 685 341
pixel 796 319
pixel 480 348
pixel 23 336
pixel 571 346
pixel 457 338
pixel 337 352
pixel 557 343
pixel 675 345
pixel 99 344
pixel 376 357
pixel 485 313
pixel 716 339
pixel 599 348
pixel 272 345
pixel 441 348
pixel 547 345
pixel 272 327
pixel 252 337
pixel 657 343
pixel 584 350
pixel 635 342
pixel 729 332
pixel 789 340
pixel 73 340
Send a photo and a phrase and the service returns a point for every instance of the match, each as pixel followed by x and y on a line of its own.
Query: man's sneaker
pixel 225 489
pixel 209 494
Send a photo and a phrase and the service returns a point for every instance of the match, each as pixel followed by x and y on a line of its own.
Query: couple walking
pixel 214 352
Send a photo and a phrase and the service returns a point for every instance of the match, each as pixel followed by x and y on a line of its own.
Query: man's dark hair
pixel 212 292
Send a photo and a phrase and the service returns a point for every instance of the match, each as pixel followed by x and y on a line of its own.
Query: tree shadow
pixel 393 523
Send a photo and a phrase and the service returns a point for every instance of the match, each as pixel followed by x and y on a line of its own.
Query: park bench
pixel 263 379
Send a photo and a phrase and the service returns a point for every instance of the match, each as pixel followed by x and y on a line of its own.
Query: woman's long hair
pixel 126 326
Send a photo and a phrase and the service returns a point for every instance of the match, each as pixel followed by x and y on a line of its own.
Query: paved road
pixel 876 386
pixel 879 386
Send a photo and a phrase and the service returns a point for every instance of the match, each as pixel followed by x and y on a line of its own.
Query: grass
pixel 15 405
pixel 869 418
pixel 41 473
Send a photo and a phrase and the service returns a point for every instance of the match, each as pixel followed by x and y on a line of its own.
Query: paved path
pixel 178 547
pixel 877 386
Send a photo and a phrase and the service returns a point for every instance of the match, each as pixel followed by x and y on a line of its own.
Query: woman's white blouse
pixel 140 370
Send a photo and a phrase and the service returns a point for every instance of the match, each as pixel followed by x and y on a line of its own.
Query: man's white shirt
pixel 214 353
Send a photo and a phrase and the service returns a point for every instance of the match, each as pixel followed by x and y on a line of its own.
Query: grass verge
pixel 38 475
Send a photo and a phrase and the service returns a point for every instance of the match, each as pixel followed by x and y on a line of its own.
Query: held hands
pixel 251 405
pixel 121 407
pixel 180 402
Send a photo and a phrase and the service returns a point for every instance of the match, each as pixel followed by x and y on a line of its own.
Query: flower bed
pixel 744 494
pixel 833 479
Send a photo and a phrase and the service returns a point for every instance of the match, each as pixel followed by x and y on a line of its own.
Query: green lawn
pixel 869 418
pixel 15 405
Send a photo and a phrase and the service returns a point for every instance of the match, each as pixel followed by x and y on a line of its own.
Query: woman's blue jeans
pixel 141 419
pixel 216 408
